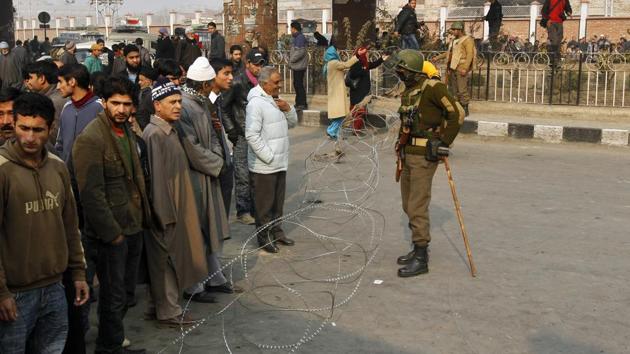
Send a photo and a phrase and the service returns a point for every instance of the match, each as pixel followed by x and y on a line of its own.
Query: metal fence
pixel 577 79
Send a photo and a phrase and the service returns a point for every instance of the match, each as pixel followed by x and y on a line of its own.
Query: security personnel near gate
pixel 430 120
pixel 461 57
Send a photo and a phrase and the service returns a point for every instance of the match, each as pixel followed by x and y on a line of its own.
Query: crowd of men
pixel 103 166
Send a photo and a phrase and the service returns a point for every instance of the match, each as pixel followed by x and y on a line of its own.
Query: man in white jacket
pixel 267 124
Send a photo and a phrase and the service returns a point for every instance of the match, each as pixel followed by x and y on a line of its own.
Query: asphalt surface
pixel 548 225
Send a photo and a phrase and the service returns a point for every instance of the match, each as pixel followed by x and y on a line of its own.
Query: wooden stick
pixel 460 218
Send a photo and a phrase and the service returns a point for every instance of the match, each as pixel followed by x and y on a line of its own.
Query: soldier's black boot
pixel 466 111
pixel 404 260
pixel 419 264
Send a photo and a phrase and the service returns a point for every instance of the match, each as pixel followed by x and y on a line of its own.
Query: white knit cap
pixel 4 45
pixel 201 70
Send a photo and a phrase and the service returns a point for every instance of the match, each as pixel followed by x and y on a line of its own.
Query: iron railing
pixel 601 79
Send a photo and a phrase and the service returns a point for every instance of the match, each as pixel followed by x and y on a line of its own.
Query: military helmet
pixel 457 25
pixel 410 59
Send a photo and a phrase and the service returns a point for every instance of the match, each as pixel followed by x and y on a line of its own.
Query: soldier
pixel 460 56
pixel 430 120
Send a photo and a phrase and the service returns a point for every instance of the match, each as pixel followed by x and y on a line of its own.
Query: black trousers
pixel 268 195
pixel 117 270
pixel 493 31
pixel 298 85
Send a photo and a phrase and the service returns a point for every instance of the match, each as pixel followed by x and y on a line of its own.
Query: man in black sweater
pixel 494 18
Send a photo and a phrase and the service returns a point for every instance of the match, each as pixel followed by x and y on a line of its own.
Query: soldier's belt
pixel 422 142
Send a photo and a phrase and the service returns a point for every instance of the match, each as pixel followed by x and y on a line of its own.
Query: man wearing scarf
pixel 204 151
pixel 334 71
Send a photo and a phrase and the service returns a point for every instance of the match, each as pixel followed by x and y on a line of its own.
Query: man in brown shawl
pixel 204 151
pixel 176 259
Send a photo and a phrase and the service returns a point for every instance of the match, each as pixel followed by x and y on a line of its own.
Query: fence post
pixel 487 75
pixel 579 83
pixel 553 74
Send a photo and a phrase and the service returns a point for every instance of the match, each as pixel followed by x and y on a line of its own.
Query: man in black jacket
pixel 494 18
pixel 217 43
pixel 165 47
pixel 233 108
pixel 407 25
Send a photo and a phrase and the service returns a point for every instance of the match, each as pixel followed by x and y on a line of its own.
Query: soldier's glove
pixel 435 149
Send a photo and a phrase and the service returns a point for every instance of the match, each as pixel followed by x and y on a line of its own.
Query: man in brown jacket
pixel 460 62
pixel 39 235
pixel 115 206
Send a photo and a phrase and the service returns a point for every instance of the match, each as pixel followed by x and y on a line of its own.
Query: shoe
pixel 418 265
pixel 126 343
pixel 133 351
pixel 203 297
pixel 246 219
pixel 227 288
pixel 270 247
pixel 466 111
pixel 404 260
pixel 267 245
pixel 178 321
pixel 285 241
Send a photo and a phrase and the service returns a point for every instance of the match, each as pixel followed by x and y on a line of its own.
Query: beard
pixel 116 120
pixel 133 70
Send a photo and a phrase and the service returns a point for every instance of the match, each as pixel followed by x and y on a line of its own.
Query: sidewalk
pixel 549 123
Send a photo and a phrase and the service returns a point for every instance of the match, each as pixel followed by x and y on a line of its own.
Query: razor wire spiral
pixel 298 292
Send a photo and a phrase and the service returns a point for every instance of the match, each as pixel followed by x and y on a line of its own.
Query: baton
pixel 460 218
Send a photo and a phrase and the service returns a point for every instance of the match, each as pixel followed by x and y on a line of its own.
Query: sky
pixel 138 7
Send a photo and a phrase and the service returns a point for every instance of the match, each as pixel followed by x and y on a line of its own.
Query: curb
pixel 547 133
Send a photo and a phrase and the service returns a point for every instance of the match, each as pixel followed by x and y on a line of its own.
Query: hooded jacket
pixel 267 133
pixel 72 121
pixel 39 234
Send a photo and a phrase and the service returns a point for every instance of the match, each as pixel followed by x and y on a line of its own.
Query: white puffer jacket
pixel 267 133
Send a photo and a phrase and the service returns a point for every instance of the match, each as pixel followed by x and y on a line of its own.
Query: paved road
pixel 549 232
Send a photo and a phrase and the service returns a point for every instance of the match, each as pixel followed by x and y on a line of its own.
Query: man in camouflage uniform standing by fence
pixel 430 121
